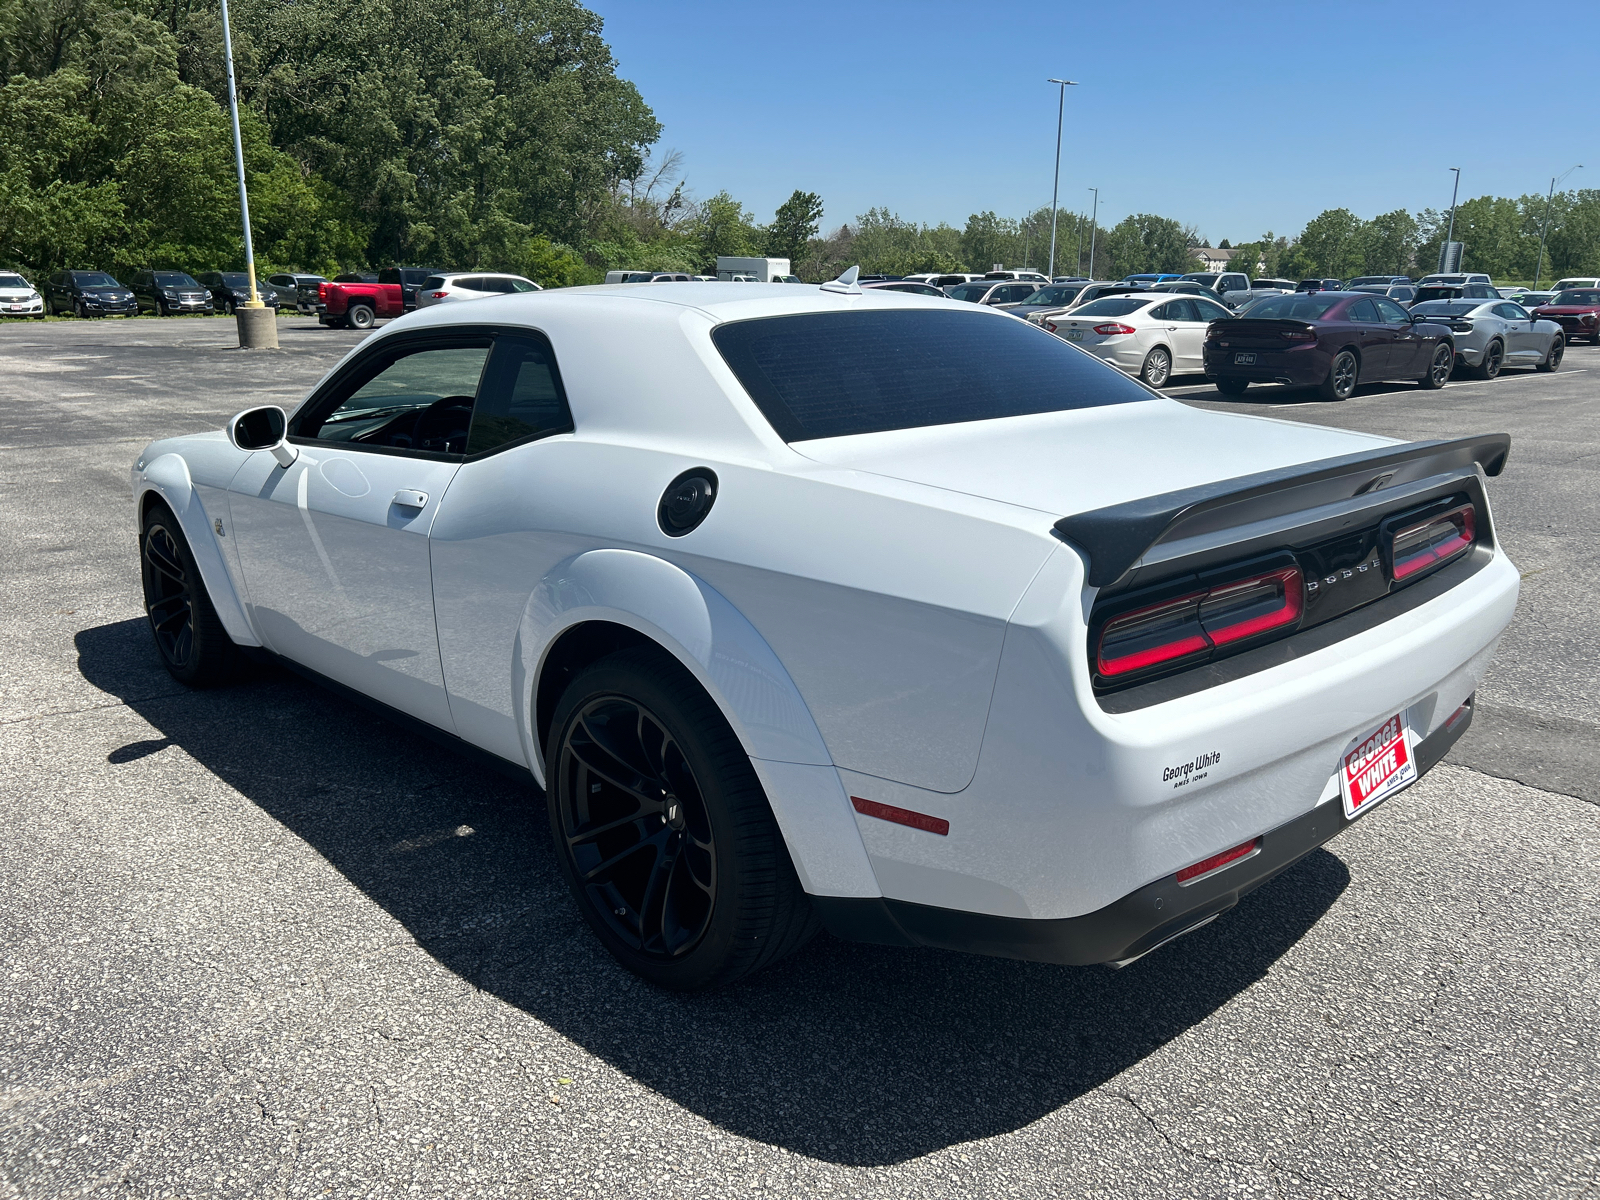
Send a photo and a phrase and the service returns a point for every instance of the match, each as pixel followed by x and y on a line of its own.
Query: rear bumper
pixel 1300 368
pixel 1124 929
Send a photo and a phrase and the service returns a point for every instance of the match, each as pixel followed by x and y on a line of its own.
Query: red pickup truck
pixel 351 302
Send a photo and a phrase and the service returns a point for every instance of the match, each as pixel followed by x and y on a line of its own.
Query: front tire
pixel 663 831
pixel 1343 373
pixel 1157 367
pixel 1553 356
pixel 1494 357
pixel 1444 361
pixel 189 636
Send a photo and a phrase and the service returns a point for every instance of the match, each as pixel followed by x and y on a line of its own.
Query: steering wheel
pixel 441 427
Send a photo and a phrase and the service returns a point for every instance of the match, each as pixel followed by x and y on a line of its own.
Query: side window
pixel 389 275
pixel 522 285
pixel 521 395
pixel 1363 311
pixel 1212 312
pixel 1392 313
pixel 416 400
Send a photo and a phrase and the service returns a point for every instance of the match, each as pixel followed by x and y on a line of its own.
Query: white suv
pixel 470 285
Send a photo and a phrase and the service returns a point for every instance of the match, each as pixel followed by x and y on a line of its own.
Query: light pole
pixel 1080 242
pixel 1061 108
pixel 1545 228
pixel 1449 237
pixel 258 326
pixel 1093 229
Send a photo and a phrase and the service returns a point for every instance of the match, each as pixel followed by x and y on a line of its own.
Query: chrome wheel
pixel 636 829
pixel 1157 367
pixel 168 596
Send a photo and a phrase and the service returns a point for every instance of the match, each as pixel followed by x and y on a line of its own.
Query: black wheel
pixel 1444 361
pixel 230 308
pixel 1232 387
pixel 1553 356
pixel 1494 357
pixel 1157 367
pixel 189 636
pixel 1342 375
pixel 663 831
pixel 77 308
pixel 360 317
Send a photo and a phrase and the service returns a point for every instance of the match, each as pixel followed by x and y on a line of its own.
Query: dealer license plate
pixel 16 308
pixel 1243 360
pixel 1378 766
pixel 1074 335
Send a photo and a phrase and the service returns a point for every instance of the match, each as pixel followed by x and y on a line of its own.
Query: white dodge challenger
pixel 813 607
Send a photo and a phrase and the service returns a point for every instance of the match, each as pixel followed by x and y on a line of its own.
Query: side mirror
pixel 263 429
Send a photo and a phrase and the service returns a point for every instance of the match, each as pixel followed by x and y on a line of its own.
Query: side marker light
pixel 901 816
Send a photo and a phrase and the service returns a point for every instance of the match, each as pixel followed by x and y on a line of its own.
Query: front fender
pixel 168 476
pixel 745 679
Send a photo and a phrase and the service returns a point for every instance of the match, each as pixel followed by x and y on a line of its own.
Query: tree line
pixel 498 135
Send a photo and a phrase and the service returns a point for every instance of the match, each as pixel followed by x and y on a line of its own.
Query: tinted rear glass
pixel 1303 306
pixel 1115 306
pixel 1446 308
pixel 819 375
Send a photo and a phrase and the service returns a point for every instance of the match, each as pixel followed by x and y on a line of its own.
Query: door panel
pixel 1185 333
pixel 1376 340
pixel 337 570
pixel 1408 353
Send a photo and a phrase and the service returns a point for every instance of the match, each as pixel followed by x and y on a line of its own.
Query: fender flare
pixel 715 642
pixel 168 477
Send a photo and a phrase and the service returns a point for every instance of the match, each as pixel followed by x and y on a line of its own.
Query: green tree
pixel 794 224
pixel 1145 242
pixel 989 239
pixel 1332 244
pixel 724 228
pixel 1389 244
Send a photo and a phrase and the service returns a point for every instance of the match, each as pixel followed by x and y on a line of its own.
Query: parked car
pixel 168 293
pixel 1453 279
pixel 1333 341
pixel 944 279
pixel 989 291
pixel 350 304
pixel 298 292
pixel 18 297
pixel 909 286
pixel 1151 277
pixel 1071 279
pixel 1184 287
pixel 1021 276
pixel 470 285
pixel 1319 285
pixel 88 294
pixel 409 280
pixel 1401 293
pixel 231 289
pixel 1515 293
pixel 1054 297
pixel 631 277
pixel 1153 335
pixel 1362 283
pixel 1491 334
pixel 1455 291
pixel 1577 311
pixel 1229 292
pixel 757 588
pixel 1567 285
pixel 1532 300
pixel 1087 294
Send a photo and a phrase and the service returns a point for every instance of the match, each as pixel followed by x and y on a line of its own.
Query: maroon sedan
pixel 1576 310
pixel 1332 341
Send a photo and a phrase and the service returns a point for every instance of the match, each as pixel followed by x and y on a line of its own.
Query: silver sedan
pixel 1491 334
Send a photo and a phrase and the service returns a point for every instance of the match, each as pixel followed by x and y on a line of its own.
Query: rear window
pixel 1302 306
pixel 1065 294
pixel 1446 308
pixel 820 375
pixel 1115 306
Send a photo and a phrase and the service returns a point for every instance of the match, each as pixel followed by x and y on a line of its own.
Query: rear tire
pixel 1157 367
pixel 1343 374
pixel 1553 356
pixel 360 317
pixel 663 831
pixel 189 636
pixel 1494 357
pixel 1232 387
pixel 1444 361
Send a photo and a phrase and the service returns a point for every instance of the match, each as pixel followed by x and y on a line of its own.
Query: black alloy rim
pixel 168 598
pixel 1344 375
pixel 1492 359
pixel 1443 360
pixel 636 830
pixel 1557 349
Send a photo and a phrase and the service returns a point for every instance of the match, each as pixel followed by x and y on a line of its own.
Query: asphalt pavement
pixel 259 942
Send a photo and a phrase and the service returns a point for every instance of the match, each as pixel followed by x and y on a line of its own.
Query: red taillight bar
pixel 1434 541
pixel 1111 327
pixel 1217 861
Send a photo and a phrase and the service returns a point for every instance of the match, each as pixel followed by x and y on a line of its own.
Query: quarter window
pixel 1363 311
pixel 521 396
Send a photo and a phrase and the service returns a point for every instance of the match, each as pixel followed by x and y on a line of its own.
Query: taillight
pixel 1436 540
pixel 1461 326
pixel 1298 335
pixel 1111 327
pixel 1217 861
pixel 1195 624
pixel 322 291
pixel 1050 325
pixel 438 295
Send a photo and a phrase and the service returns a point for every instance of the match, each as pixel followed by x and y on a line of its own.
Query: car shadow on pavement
pixel 853 1054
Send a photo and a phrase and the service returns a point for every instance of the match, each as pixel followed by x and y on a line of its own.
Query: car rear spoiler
pixel 1117 537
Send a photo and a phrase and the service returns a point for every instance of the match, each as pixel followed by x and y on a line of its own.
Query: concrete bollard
pixel 258 328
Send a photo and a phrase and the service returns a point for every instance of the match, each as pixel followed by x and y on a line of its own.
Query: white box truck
pixel 757 270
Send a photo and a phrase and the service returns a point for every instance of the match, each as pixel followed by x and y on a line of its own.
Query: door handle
pixel 411 498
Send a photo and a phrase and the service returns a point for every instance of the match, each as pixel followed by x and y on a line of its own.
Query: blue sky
pixel 1235 117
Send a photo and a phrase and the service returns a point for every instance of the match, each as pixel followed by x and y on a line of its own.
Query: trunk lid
pixel 1245 333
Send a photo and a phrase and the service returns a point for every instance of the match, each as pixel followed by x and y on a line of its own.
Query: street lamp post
pixel 1080 242
pixel 258 325
pixel 1094 229
pixel 1545 228
pixel 1061 108
pixel 1450 236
